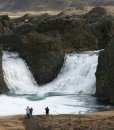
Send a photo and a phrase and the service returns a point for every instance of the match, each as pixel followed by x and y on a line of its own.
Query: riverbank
pixel 93 121
pixel 12 123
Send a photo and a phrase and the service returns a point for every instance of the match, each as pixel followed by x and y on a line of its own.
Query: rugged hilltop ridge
pixel 44 40
pixel 11 5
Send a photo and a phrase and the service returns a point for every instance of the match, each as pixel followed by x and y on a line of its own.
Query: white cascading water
pixel 17 75
pixel 77 75
pixel 69 93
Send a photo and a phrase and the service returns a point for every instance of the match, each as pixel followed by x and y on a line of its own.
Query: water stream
pixel 70 93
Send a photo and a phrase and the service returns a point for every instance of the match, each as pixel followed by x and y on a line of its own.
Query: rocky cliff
pixel 4 30
pixel 43 54
pixel 105 69
pixel 3 87
pixel 105 73
pixel 77 32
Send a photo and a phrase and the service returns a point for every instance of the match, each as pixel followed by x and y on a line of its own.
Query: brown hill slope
pixel 50 4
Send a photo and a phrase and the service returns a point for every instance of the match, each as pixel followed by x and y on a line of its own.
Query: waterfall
pixel 77 75
pixel 69 93
pixel 17 74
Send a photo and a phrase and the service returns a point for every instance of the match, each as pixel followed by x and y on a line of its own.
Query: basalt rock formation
pixel 105 73
pixel 43 54
pixel 3 87
pixel 4 30
pixel 5 25
pixel 77 32
pixel 43 40
pixel 105 69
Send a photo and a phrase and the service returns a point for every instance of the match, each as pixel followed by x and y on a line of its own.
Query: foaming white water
pixel 76 83
pixel 77 76
pixel 57 105
pixel 17 75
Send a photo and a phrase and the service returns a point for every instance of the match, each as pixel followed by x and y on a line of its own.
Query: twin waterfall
pixel 77 75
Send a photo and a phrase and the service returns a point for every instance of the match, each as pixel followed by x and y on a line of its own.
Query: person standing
pixel 47 110
pixel 31 111
pixel 27 112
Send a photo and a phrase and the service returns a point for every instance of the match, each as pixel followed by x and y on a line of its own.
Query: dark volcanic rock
pixel 5 25
pixel 71 30
pixel 43 54
pixel 105 74
pixel 3 88
pixel 105 69
pixel 77 32
pixel 96 12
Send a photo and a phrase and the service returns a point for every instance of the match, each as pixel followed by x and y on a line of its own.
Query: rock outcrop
pixel 77 32
pixel 4 30
pixel 3 87
pixel 105 69
pixel 97 12
pixel 105 74
pixel 5 25
pixel 43 54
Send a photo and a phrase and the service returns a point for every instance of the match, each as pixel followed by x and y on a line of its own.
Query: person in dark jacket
pixel 31 111
pixel 47 110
